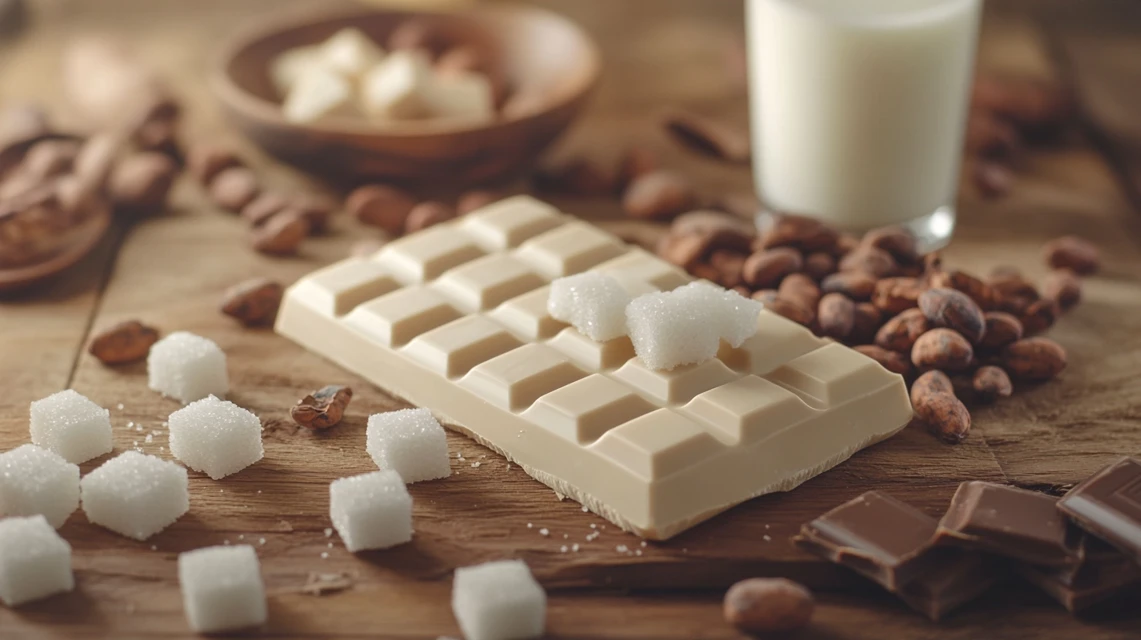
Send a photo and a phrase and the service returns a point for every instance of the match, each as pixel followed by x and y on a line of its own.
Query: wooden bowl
pixel 548 61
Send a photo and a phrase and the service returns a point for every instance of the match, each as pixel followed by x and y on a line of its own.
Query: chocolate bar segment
pixel 1102 573
pixel 892 544
pixel 1010 522
pixel 1108 505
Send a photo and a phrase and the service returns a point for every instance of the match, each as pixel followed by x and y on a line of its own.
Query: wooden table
pixel 171 269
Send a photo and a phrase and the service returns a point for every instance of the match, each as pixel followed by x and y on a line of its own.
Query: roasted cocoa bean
pixel 323 408
pixel 857 285
pixel 893 361
pixel 954 310
pixel 896 295
pixel 125 342
pixel 1001 329
pixel 901 332
pixel 1063 287
pixel 836 316
pixel 1071 252
pixel 768 606
pixel 1034 359
pixel 253 302
pixel 943 349
pixel 768 267
pixel 991 383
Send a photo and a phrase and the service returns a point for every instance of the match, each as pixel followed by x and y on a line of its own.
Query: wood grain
pixel 171 271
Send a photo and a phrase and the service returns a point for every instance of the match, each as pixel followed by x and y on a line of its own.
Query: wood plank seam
pixel 117 237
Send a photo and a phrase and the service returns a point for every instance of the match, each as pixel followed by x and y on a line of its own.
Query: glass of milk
pixel 859 109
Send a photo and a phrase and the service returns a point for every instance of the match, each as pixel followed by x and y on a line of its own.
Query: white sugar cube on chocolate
pixel 319 92
pixel 371 511
pixel 594 303
pixel 670 329
pixel 187 367
pixel 288 67
pixel 735 315
pixel 35 481
pixel 499 601
pixel 350 52
pixel 71 425
pixel 460 95
pixel 222 588
pixel 216 437
pixel 34 561
pixel 135 495
pixel 395 88
pixel 410 442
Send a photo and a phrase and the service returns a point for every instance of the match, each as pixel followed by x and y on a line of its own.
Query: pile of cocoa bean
pixel 956 337
pixel 398 211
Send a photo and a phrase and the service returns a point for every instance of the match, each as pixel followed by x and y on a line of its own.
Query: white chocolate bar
pixel 453 318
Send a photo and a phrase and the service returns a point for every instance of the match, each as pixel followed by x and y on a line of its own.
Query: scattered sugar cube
pixel 595 303
pixel 460 95
pixel 215 437
pixel 287 68
pixel 72 426
pixel 410 442
pixel 187 367
pixel 350 52
pixel 371 511
pixel 222 588
pixel 395 88
pixel 34 561
pixel 135 495
pixel 670 329
pixel 499 601
pixel 319 92
pixel 35 481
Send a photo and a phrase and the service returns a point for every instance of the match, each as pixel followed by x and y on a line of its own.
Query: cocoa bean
pixel 946 417
pixel 205 160
pixel 836 316
pixel 427 214
pixel 1001 329
pixel 870 260
pixel 992 179
pixel 768 267
pixel 315 209
pixel 636 162
pixel 125 342
pixel 1034 359
pixel 1063 287
pixel 896 295
pixel 281 234
pixel 708 136
pixel 845 244
pixel 787 308
pixel 798 232
pixel 943 349
pixel 1071 252
pixel 1039 316
pixel 577 177
pixel 954 310
pixel 893 361
pixel 990 383
pixel 234 188
pixel 897 241
pixel 705 271
pixel 800 289
pixel 323 408
pixel 725 231
pixel 901 332
pixel 991 137
pixel 931 382
pixel 659 195
pixel 381 206
pixel 476 199
pixel 264 207
pixel 253 302
pixel 768 606
pixel 140 183
pixel 683 250
pixel 819 265
pixel 976 289
pixel 867 321
pixel 729 265
pixel 857 285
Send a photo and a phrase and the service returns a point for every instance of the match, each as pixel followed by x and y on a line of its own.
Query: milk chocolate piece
pixel 892 544
pixel 1010 522
pixel 454 318
pixel 1108 505
pixel 1102 573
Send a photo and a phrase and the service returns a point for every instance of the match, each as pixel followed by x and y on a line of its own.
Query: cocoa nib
pixel 323 408
pixel 253 302
pixel 125 342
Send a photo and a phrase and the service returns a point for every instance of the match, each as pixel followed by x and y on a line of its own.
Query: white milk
pixel 859 106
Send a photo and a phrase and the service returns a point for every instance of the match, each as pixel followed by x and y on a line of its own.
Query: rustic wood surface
pixel 171 269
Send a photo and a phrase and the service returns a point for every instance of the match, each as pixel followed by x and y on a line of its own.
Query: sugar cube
pixel 499 601
pixel 595 303
pixel 371 511
pixel 673 328
pixel 187 367
pixel 395 88
pixel 287 68
pixel 222 588
pixel 34 561
pixel 735 314
pixel 410 442
pixel 72 426
pixel 350 52
pixel 460 95
pixel 37 481
pixel 319 92
pixel 135 495
pixel 215 437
